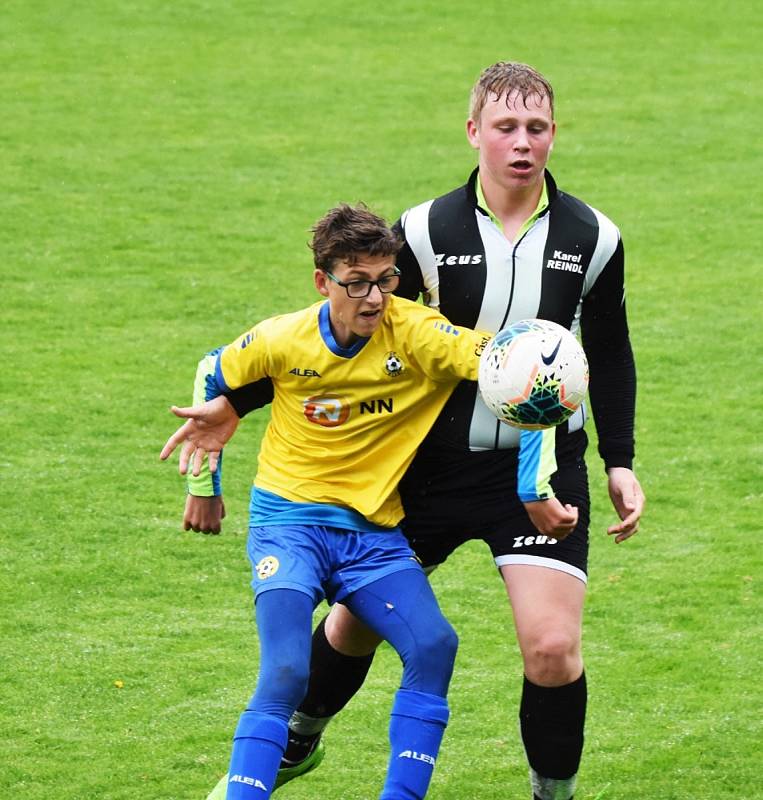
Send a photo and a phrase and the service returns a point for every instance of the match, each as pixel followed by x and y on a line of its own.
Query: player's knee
pixel 438 646
pixel 553 658
pixel 348 635
pixel 447 642
pixel 285 683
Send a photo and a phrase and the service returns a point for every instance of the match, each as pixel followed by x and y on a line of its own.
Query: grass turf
pixel 162 166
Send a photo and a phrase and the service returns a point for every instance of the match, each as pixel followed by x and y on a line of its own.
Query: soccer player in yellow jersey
pixel 359 378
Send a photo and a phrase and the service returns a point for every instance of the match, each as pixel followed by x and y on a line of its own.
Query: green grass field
pixel 162 165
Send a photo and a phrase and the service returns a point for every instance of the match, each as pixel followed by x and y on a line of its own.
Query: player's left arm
pixel 203 514
pixel 204 508
pixel 628 499
pixel 612 388
pixel 205 484
pixel 444 352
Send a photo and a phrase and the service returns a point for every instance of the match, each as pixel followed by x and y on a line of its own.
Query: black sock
pixel 552 721
pixel 334 678
pixel 299 747
pixel 535 797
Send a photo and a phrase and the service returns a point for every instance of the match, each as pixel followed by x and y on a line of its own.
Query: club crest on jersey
pixel 328 410
pixel 267 567
pixel 393 366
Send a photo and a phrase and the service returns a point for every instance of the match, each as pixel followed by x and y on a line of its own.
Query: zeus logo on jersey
pixel 566 262
pixel 328 410
pixel 527 541
pixel 441 259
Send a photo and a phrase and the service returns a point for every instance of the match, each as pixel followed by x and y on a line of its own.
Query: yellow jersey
pixel 346 422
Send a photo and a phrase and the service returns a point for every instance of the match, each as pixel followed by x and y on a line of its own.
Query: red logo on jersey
pixel 328 410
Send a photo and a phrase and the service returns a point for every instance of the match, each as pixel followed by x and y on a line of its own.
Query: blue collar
pixel 324 325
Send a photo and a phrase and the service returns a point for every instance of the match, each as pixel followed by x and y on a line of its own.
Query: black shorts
pixel 451 497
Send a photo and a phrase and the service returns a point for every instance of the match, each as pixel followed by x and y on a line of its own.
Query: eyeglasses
pixel 358 289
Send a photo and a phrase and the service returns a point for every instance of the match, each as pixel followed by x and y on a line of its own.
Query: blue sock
pixel 258 745
pixel 415 732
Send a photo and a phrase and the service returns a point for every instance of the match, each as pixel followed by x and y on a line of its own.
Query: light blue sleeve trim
pixel 206 483
pixel 219 377
pixel 537 463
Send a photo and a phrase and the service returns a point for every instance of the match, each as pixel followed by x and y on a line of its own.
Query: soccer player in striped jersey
pixel 506 245
pixel 358 380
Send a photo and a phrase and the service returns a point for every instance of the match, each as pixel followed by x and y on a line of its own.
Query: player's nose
pixel 521 140
pixel 375 296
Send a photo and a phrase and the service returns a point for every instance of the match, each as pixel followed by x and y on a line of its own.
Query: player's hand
pixel 203 514
pixel 208 429
pixel 628 499
pixel 552 518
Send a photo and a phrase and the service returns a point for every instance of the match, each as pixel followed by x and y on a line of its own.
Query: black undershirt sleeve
pixel 251 396
pixel 411 280
pixel 612 388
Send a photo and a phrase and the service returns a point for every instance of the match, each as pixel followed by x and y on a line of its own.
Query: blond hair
pixel 504 78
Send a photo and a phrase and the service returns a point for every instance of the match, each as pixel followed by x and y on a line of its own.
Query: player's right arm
pixel 204 506
pixel 249 396
pixel 210 425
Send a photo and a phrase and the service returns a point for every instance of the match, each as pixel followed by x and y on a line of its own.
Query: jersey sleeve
pixel 206 484
pixel 445 352
pixel 536 465
pixel 411 280
pixel 612 386
pixel 244 361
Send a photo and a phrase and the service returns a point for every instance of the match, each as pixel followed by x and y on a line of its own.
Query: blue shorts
pixel 321 561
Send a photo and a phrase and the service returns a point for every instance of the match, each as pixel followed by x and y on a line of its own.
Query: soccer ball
pixel 533 374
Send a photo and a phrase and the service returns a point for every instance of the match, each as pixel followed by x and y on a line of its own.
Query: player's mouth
pixel 372 315
pixel 521 167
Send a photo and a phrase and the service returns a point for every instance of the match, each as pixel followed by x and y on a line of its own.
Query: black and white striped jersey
pixel 566 267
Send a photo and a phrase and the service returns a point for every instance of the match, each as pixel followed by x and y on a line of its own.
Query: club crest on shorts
pixel 393 366
pixel 267 567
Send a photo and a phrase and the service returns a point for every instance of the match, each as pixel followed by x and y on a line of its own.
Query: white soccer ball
pixel 533 374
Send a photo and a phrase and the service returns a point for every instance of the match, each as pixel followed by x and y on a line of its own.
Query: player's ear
pixel 473 133
pixel 321 282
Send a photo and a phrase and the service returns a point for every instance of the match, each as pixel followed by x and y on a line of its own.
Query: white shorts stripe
pixel 541 561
